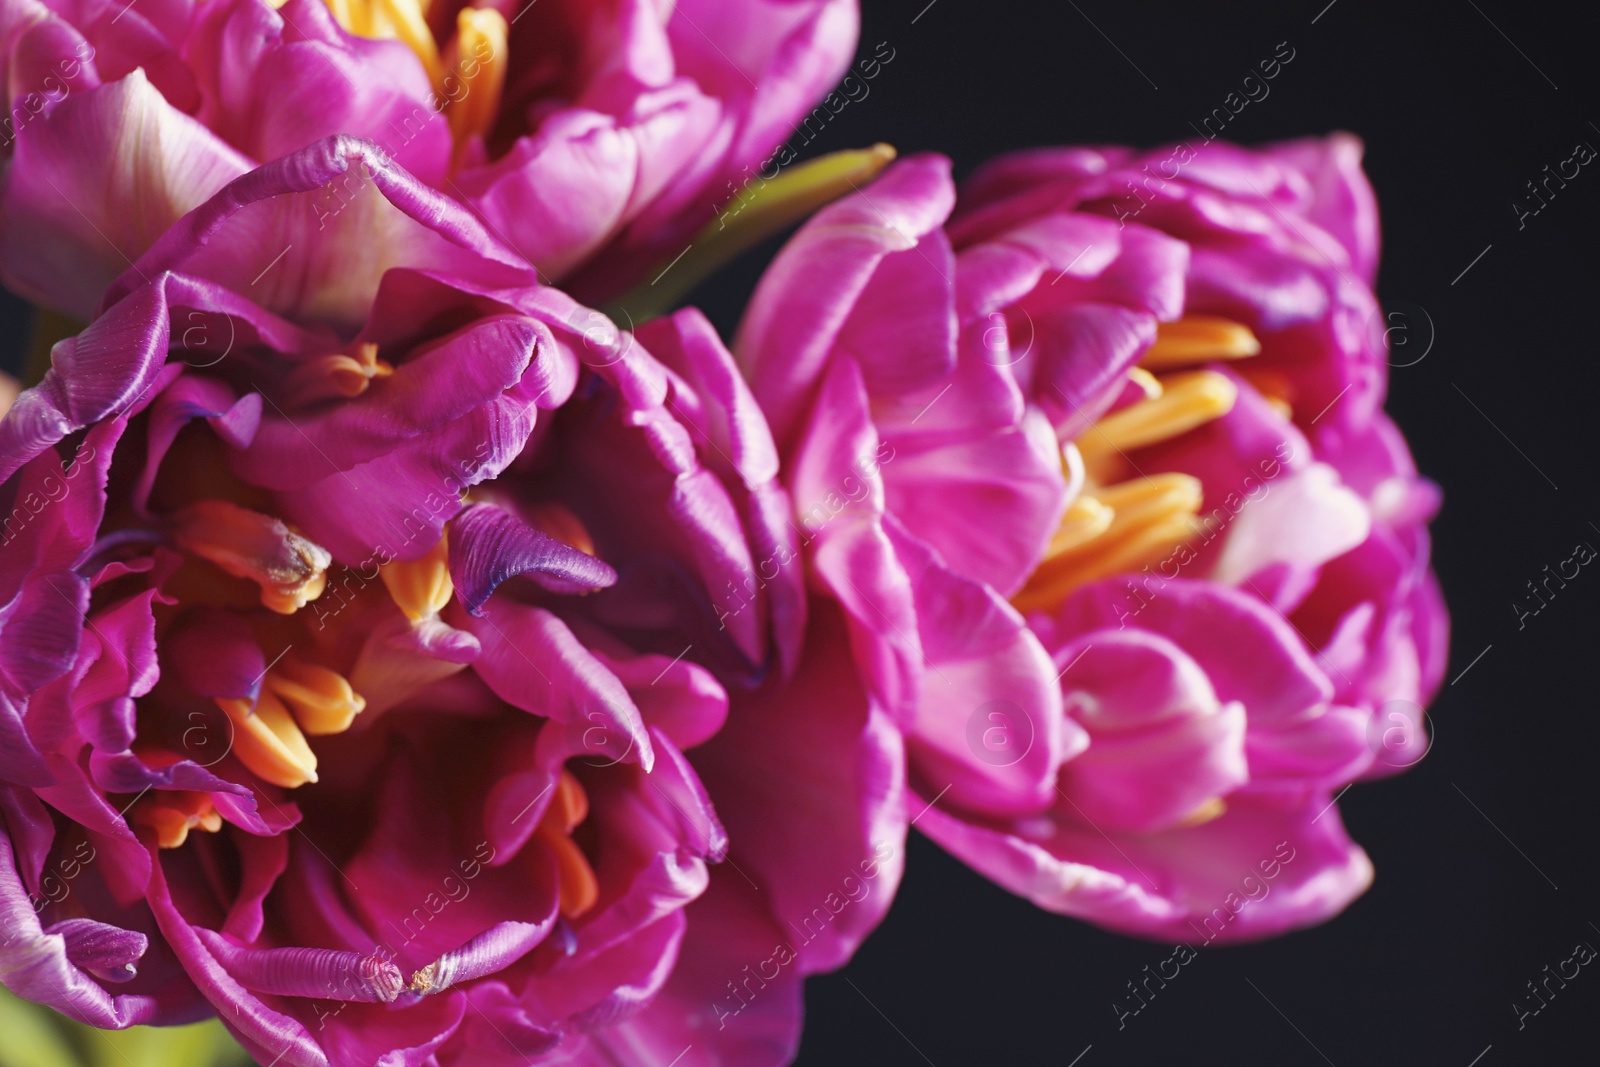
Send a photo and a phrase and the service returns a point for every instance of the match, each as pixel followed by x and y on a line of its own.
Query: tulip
pixel 351 681
pixel 1093 462
pixel 594 139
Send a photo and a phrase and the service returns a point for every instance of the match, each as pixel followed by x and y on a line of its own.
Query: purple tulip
pixel 347 677
pixel 593 138
pixel 1097 474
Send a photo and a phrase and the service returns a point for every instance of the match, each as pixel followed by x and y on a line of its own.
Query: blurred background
pixel 1485 850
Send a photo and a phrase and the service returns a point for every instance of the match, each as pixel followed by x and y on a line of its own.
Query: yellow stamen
pixel 421 587
pixel 1146 381
pixel 247 544
pixel 1275 388
pixel 476 60
pixel 1151 516
pixel 578 886
pixel 173 813
pixel 322 700
pixel 268 742
pixel 1210 809
pixel 1187 400
pixel 345 374
pixel 1199 339
pixel 406 20
pixel 1085 520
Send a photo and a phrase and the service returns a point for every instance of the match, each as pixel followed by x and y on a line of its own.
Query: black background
pixel 1425 968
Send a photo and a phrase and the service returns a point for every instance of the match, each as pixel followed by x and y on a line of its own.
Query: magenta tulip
pixel 592 138
pixel 1097 473
pixel 366 688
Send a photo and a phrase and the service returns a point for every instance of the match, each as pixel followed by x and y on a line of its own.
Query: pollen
pixel 1199 339
pixel 247 544
pixel 173 813
pixel 420 587
pixel 579 888
pixel 267 741
pixel 321 699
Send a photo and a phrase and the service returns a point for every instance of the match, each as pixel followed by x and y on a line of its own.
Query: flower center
pixel 420 587
pixel 579 888
pixel 247 544
pixel 468 72
pixel 343 374
pixel 172 813
pixel 1113 527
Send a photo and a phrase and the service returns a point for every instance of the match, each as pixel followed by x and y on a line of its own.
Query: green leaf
pixel 36 1036
pixel 761 208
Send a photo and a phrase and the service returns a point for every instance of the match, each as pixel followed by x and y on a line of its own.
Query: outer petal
pixel 824 835
pixel 71 229
pixel 808 292
pixel 1265 867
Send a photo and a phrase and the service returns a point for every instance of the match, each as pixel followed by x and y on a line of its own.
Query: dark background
pixel 1425 967
pixel 1458 113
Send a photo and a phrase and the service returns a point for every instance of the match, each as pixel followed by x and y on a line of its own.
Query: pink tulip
pixel 367 689
pixel 592 137
pixel 1097 473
